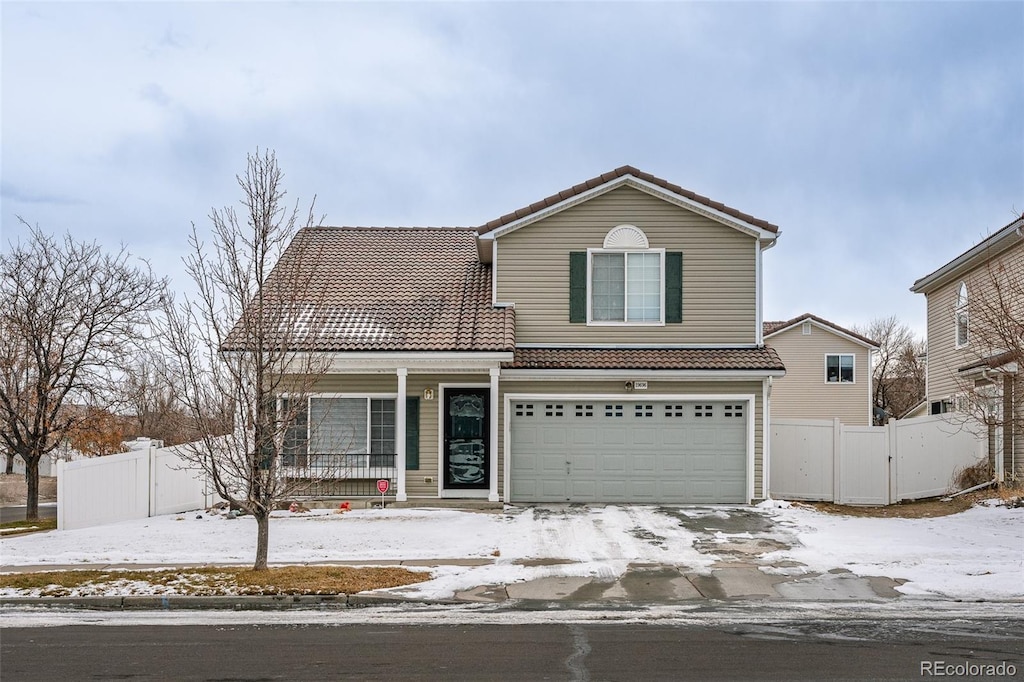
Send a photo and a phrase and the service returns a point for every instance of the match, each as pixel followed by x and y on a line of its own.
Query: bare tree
pixel 240 347
pixel 69 312
pixel 898 370
pixel 150 395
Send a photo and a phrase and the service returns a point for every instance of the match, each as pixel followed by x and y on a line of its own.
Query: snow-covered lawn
pixel 977 554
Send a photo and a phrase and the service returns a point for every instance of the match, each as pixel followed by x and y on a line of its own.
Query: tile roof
pixel 613 175
pixel 775 326
pixel 395 289
pixel 763 358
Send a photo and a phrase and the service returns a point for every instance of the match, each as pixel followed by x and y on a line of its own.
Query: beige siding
pixel 944 358
pixel 415 480
pixel 719 272
pixel 416 486
pixel 654 387
pixel 804 394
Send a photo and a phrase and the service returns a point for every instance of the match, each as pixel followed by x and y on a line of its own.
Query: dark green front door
pixel 466 429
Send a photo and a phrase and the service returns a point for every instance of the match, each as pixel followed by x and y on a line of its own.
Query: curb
pixel 218 602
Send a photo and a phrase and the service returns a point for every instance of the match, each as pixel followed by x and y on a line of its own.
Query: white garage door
pixel 629 451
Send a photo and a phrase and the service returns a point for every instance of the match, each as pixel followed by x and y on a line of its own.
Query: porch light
pixel 428 394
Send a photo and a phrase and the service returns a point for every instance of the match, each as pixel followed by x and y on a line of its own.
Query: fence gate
pixel 864 466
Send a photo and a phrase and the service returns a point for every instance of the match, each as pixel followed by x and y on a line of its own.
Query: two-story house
pixel 976 341
pixel 603 344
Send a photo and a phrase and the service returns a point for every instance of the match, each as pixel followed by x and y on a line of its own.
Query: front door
pixel 466 429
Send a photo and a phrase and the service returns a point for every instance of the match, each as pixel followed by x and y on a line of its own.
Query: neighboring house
pixel 828 371
pixel 601 345
pixel 975 331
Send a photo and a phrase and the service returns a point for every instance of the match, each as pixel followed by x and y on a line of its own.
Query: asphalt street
pixel 803 650
pixel 8 514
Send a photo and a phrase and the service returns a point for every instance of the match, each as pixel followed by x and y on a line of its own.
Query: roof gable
pixel 777 327
pixel 645 182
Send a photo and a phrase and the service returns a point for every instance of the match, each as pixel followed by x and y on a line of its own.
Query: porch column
pixel 493 495
pixel 400 496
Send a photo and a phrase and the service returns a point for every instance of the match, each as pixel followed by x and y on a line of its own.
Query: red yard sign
pixel 383 485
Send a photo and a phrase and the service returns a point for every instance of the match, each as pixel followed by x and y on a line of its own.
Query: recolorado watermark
pixel 948 669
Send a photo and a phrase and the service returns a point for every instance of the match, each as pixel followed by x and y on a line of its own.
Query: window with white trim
pixel 839 368
pixel 361 429
pixel 627 280
pixel 626 286
pixel 961 317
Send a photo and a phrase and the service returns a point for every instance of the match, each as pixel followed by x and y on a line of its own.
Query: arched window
pixel 961 317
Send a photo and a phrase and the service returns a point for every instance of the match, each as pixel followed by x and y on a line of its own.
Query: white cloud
pixel 886 134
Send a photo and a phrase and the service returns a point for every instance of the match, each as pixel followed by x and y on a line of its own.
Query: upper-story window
pixel 626 278
pixel 839 368
pixel 625 281
pixel 626 286
pixel 962 327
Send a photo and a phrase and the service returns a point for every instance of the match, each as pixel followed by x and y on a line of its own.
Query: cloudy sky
pixel 883 138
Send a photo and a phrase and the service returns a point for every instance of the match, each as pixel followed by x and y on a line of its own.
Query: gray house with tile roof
pixel 604 344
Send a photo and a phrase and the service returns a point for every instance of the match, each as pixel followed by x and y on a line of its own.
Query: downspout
pixel 766 438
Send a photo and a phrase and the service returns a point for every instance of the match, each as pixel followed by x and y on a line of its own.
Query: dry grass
pixel 13 488
pixel 968 477
pixel 208 581
pixel 917 509
pixel 923 509
pixel 21 527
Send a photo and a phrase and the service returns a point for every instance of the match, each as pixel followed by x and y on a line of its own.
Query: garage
pixel 628 451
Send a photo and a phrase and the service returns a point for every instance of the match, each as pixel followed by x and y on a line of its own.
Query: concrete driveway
pixel 732 540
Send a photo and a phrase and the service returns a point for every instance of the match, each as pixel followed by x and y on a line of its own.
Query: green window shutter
pixel 673 287
pixel 412 433
pixel 578 286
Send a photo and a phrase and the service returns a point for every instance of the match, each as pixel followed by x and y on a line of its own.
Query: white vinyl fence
pixel 133 485
pixel 905 460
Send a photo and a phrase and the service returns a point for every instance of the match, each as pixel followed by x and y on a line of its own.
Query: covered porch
pixel 426 423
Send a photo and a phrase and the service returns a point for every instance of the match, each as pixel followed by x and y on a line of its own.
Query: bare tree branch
pixel 69 315
pixel 898 372
pixel 238 347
